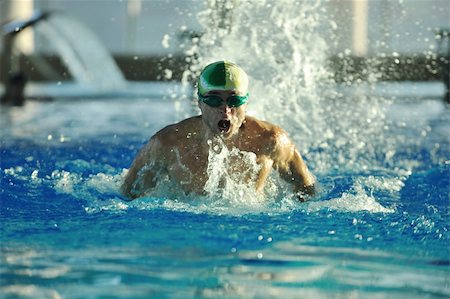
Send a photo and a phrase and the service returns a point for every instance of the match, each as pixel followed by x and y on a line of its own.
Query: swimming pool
pixel 379 227
pixel 378 230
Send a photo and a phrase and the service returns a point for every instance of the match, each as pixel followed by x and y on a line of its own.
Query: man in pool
pixel 181 150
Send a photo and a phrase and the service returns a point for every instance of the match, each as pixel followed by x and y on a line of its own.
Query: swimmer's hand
pixel 306 193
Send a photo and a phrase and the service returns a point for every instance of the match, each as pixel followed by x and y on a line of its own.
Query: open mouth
pixel 224 125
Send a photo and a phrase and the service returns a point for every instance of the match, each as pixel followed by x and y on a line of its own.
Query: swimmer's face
pixel 223 120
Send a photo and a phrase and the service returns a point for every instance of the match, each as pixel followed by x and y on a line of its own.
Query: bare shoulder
pixel 272 135
pixel 264 126
pixel 172 134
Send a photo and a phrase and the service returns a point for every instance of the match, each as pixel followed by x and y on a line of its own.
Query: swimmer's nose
pixel 226 109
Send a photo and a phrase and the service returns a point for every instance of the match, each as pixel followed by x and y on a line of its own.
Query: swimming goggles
pixel 216 101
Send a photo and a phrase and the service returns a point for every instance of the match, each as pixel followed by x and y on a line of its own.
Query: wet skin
pixel 181 150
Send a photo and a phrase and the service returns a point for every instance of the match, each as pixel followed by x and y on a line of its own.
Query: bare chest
pixel 188 168
pixel 194 167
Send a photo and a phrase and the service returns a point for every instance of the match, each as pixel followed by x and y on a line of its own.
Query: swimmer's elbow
pixel 125 190
pixel 127 183
pixel 138 184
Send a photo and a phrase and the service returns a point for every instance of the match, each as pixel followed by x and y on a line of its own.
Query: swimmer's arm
pixel 293 169
pixel 142 174
pixel 266 166
pixel 302 179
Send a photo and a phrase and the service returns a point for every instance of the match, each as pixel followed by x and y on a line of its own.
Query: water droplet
pixel 168 74
pixel 34 174
pixel 166 41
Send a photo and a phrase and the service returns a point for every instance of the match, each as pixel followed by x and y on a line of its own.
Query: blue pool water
pixel 378 230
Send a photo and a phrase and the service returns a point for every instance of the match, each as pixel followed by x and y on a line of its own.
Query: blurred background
pixel 151 40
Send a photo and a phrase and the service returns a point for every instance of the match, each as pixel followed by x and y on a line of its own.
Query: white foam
pixel 65 181
pixel 104 183
pixel 350 203
pixel 100 191
pixel 383 183
pixel 231 175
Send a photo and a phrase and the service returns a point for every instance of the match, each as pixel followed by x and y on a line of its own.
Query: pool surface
pixel 379 227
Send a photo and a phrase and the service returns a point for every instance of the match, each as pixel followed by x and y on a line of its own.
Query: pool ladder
pixel 14 81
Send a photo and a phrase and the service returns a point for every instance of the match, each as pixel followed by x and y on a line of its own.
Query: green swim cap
pixel 223 75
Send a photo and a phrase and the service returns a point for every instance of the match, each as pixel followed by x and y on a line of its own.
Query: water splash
pixel 231 174
pixel 282 46
pixel 355 200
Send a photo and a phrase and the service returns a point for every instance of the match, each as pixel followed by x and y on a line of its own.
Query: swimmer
pixel 181 150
